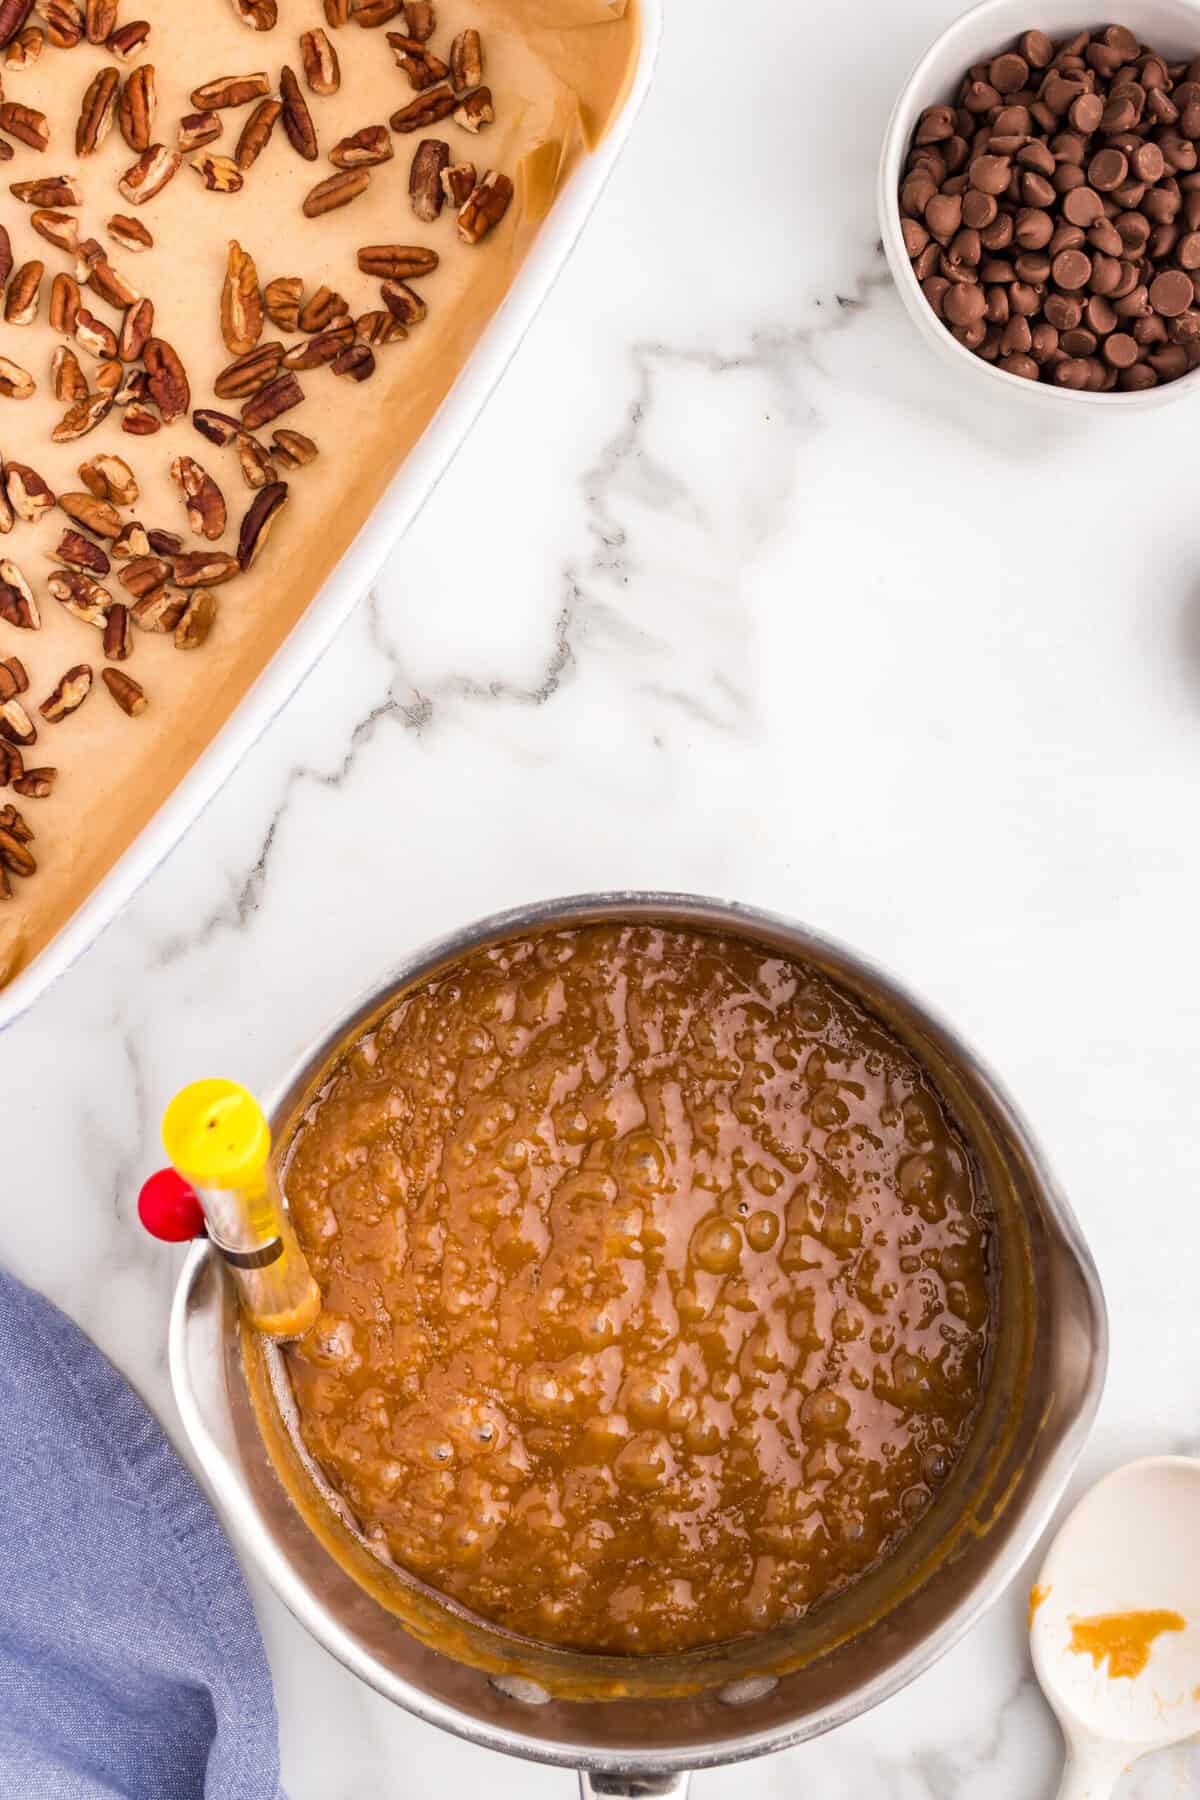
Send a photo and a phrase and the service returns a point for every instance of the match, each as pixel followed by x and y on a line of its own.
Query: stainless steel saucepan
pixel 666 1717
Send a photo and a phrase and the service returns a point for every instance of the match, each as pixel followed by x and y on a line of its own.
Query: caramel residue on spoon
pixel 1037 1595
pixel 1124 1639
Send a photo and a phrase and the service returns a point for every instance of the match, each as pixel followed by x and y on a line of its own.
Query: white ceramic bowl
pixel 1172 26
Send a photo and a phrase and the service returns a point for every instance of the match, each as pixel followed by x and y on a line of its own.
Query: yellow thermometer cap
pixel 215 1134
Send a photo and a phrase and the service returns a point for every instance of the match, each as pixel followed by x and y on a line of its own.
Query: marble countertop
pixel 735 588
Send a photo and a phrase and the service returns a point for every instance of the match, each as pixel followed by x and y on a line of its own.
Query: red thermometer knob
pixel 169 1209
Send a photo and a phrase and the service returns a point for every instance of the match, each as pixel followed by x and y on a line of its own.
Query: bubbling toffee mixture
pixel 656 1288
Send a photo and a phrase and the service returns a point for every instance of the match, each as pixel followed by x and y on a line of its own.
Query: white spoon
pixel 1124 1567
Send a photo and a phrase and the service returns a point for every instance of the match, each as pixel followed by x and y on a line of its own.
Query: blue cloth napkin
pixel 130 1659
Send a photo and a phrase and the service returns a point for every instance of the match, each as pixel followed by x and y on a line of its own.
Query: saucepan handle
pixel 601 1784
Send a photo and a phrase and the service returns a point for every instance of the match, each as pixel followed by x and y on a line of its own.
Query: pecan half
pixel 217 427
pixel 371 145
pixel 336 191
pixel 127 40
pixel 20 609
pixel 250 373
pixel 129 694
pixel 202 497
pixel 96 112
pixel 321 349
pixel 320 311
pixel 420 20
pixel 130 233
pixel 259 15
pixel 67 377
pixel 13 679
pixel 486 207
pixel 272 402
pixel 133 541
pixel 24 294
pixel 150 174
pixel 322 71
pixel 13 852
pixel 241 302
pixel 144 576
pixel 198 129
pixel 35 784
pixel 69 695
pixel 282 300
pixel 458 183
pixel 466 60
pixel 12 766
pixel 78 552
pixel 297 120
pixel 16 383
pixel 64 23
pixel 255 461
pixel 475 112
pixel 230 90
pixel 204 568
pixel 82 417
pixel 403 302
pixel 140 421
pixel 58 228
pixel 165 543
pixel 48 190
pixel 397 262
pixel 220 174
pixel 13 14
pixel 79 595
pixel 26 123
pixel 356 362
pixel 6 255
pixel 337 12
pixel 7 516
pixel 29 496
pixel 161 611
pixel 425 179
pixel 118 633
pixel 259 522
pixel 99 20
pixel 112 286
pixel 434 104
pixel 256 133
pixel 93 514
pixel 137 327
pixel 380 327
pixel 17 726
pixel 169 388
pixel 109 477
pixel 421 66
pixel 137 106
pixel 292 448
pixel 94 336
pixel 371 13
pixel 197 621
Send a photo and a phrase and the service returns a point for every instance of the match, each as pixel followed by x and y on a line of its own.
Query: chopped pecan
pixel 292 448
pixel 48 190
pixel 137 106
pixel 272 402
pixel 14 855
pixel 112 286
pixel 135 386
pixel 322 70
pixel 118 633
pixel 35 784
pixel 6 255
pixel 58 228
pixel 150 174
pixel 403 302
pixel 13 14
pixel 169 388
pixel 356 362
pixel 19 606
pixel 250 373
pixel 165 543
pixel 434 104
pixel 24 294
pixel 486 207
pixel 130 233
pixel 64 23
pixel 321 349
pixel 25 123
pixel 475 111
pixel 65 373
pixel 109 378
pixel 16 383
pixel 259 521
pixel 255 462
pixel 69 695
pixel 99 20
pixel 256 133
pixel 259 15
pixel 241 302
pixel 198 129
pixel 12 765
pixel 96 111
pixel 230 90
pixel 425 179
pixel 466 61
pixel 79 595
pixel 93 335
pixel 127 40
pixel 133 541
pixel 420 20
pixel 220 174
pixel 129 694
pixel 379 327
pixel 196 623
pixel 7 516
pixel 144 576
pixel 78 552
pixel 336 12
pixel 6 150
pixel 18 728
pixel 88 257
pixel 320 311
pixel 370 13
pixel 337 190
pixel 204 568
pixel 217 427
pixel 421 66
pixel 98 516
pixel 297 120
pixel 140 421
pixel 282 299
pixel 25 48
pixel 13 679
pixel 82 417
pixel 29 496
pixel 458 183
pixel 136 330
pixel 109 477
pixel 365 148
pixel 202 497
pixel 397 262
pixel 160 611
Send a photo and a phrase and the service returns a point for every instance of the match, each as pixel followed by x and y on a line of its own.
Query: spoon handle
pixel 1092 1772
